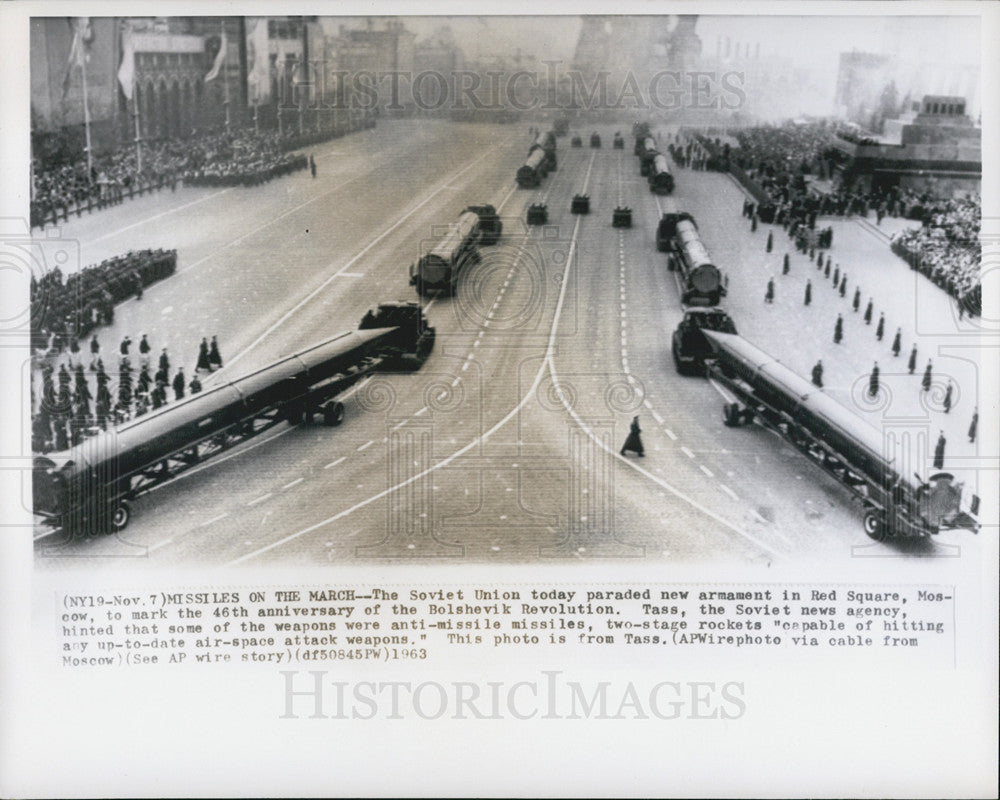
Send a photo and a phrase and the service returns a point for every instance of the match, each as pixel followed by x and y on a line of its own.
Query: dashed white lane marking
pixel 260 499
pixel 456 381
pixel 293 483
pixel 338 461
pixel 421 411
pixel 706 470
pixel 366 445
pixel 729 491
pixel 657 417
pixel 350 274
pixel 687 452
pixel 465 366
pixel 671 434
pixel 165 542
pixel 475 344
pixel 214 519
pixel 648 405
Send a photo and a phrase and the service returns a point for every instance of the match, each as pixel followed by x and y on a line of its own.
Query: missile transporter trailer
pixel 896 502
pixel 90 488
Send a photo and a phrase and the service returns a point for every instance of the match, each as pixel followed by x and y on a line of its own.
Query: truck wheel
pixel 120 514
pixel 731 415
pixel 677 363
pixel 875 525
pixel 333 414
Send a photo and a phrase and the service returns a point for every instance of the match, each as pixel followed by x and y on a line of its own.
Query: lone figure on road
pixel 926 382
pixel 785 265
pixel 973 426
pixel 880 330
pixel 769 294
pixel 873 381
pixel 809 292
pixel 634 440
pixel 312 166
pixel 868 313
pixel 939 451
pixel 897 342
pixel 838 330
pixel 818 374
pixel 947 398
pixel 857 300
pixel 912 365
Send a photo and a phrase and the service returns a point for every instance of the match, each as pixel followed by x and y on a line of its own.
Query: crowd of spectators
pixel 775 161
pixel 947 250
pixel 64 309
pixel 76 401
pixel 241 157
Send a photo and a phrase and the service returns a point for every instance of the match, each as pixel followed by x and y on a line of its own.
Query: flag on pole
pixel 126 72
pixel 220 58
pixel 79 50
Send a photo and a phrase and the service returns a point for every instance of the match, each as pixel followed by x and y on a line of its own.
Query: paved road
pixel 504 446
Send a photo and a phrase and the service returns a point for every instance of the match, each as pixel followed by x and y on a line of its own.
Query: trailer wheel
pixel 875 525
pixel 333 414
pixel 121 513
pixel 731 415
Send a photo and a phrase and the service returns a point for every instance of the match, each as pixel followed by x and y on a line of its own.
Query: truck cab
pixel 690 346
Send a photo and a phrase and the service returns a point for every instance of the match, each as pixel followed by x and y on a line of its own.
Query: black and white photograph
pixel 626 379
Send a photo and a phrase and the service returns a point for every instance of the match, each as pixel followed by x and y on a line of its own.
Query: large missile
pixel 104 466
pixel 761 377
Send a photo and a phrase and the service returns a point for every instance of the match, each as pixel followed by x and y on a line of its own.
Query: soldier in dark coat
pixel 838 330
pixel 947 398
pixel 809 293
pixel 126 343
pixel 939 451
pixel 897 342
pixel 843 285
pixel 868 313
pixel 769 294
pixel 159 395
pixel 836 276
pixel 857 300
pixel 873 381
pixel 144 349
pixel 634 440
pixel 817 374
pixel 770 241
pixel 164 361
pixel 179 384
pixel 753 223
pixel 912 365
pixel 203 363
pixel 880 330
pixel 973 426
pixel 214 358
pixel 785 265
pixel 143 381
pixel 312 166
pixel 195 385
pixel 926 382
pixel 826 270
